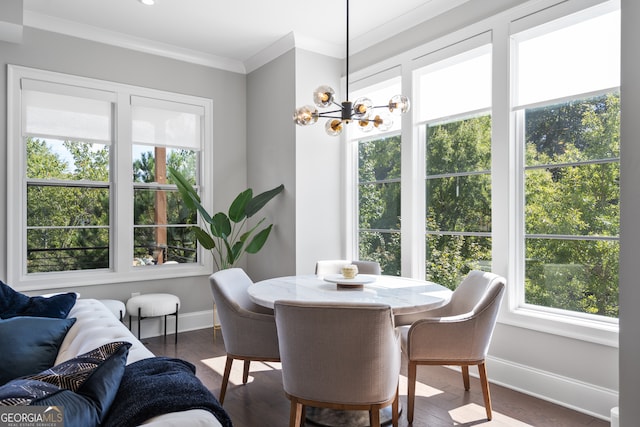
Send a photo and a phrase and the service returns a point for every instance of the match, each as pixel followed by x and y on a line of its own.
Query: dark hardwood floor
pixel 440 397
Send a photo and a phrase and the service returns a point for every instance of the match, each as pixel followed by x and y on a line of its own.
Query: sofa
pixel 96 369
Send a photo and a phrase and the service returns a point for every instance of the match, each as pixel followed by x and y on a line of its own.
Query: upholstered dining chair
pixel 248 330
pixel 338 356
pixel 457 334
pixel 334 266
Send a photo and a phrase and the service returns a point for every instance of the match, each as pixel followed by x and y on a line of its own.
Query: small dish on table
pixel 357 282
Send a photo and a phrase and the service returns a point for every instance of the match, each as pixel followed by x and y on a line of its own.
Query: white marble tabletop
pixel 403 295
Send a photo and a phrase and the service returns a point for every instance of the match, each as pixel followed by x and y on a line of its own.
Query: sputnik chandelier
pixel 361 111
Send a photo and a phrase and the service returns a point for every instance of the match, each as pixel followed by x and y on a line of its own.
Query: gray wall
pixel 70 55
pixel 630 233
pixel 309 216
pixel 271 150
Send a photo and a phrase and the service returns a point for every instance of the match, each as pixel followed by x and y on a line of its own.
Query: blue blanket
pixel 157 386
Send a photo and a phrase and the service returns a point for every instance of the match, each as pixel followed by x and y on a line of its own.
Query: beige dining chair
pixel 248 330
pixel 338 356
pixel 334 266
pixel 456 334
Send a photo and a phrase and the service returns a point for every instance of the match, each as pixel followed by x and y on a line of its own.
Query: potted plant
pixel 224 236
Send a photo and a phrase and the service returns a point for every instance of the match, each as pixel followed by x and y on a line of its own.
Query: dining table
pixel 405 296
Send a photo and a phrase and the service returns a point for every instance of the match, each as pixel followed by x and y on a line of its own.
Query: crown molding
pixel 287 43
pixel 88 32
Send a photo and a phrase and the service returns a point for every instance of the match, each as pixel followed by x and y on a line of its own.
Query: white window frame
pixel 504 167
pixel 121 184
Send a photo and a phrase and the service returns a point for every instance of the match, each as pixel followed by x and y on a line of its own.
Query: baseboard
pixel 568 392
pixel 154 326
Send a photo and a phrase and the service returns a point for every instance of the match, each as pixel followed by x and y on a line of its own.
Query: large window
pixel 510 164
pixel 567 112
pixel 88 182
pixel 454 97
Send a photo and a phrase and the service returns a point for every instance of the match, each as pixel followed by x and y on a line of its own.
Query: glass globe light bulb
pixel 323 96
pixel 383 122
pixel 362 108
pixel 365 125
pixel 399 104
pixel 306 115
pixel 334 127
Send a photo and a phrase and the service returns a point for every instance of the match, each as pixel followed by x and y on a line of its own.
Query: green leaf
pixel 204 238
pixel 237 208
pixel 183 184
pixel 259 240
pixel 261 199
pixel 220 225
pixel 246 235
pixel 236 251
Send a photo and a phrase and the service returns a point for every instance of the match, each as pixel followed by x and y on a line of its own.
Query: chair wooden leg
pixel 465 377
pixel 374 416
pixel 482 370
pixel 395 408
pixel 295 414
pixel 245 371
pixel 411 395
pixel 225 379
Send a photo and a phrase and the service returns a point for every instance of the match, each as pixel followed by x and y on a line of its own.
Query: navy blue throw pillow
pixel 14 303
pixel 30 344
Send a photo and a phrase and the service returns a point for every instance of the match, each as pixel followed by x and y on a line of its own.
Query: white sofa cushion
pixel 96 326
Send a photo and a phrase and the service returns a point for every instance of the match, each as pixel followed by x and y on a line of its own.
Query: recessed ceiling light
pixel 148 2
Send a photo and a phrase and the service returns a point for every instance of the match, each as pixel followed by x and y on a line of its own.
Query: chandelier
pixel 362 111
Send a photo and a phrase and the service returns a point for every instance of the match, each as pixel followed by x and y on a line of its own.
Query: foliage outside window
pixel 379 202
pixel 161 234
pixel 458 199
pixel 67 205
pixel 572 213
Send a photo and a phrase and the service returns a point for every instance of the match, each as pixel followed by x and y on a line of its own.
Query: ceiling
pixel 231 34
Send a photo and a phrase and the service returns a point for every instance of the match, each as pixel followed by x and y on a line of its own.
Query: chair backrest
pixel 368 267
pixel 247 328
pixel 462 329
pixel 334 266
pixel 338 353
pixel 472 294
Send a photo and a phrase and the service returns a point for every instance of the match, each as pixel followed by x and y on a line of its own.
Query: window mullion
pixel 122 188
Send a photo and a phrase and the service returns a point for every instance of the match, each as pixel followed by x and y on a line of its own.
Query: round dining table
pixel 405 296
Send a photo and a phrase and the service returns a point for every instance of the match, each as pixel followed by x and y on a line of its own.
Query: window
pixel 567 112
pixel 67 140
pixel 87 169
pixel 165 134
pixel 454 97
pixel 378 187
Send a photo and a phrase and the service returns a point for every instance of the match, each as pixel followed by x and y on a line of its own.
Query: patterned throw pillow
pixel 84 386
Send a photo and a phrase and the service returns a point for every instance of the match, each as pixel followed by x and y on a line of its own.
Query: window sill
pixel 603 332
pixel 73 280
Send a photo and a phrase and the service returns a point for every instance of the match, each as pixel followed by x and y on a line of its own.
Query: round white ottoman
pixel 116 307
pixel 154 305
